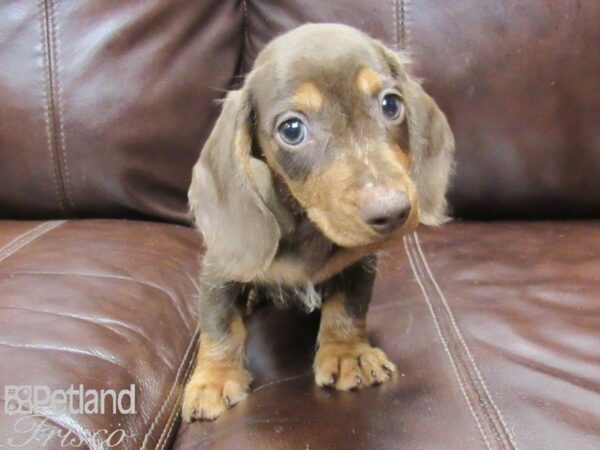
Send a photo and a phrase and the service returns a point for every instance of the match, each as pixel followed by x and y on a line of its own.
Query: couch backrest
pixel 104 105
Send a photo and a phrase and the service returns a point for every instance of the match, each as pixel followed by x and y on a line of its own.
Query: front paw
pixel 211 390
pixel 347 366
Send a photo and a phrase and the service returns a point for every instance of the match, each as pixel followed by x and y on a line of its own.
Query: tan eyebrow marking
pixel 368 81
pixel 308 97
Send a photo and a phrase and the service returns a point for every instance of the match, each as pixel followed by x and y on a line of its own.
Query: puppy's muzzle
pixel 384 209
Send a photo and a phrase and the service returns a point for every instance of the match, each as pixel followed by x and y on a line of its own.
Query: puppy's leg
pixel 219 380
pixel 345 359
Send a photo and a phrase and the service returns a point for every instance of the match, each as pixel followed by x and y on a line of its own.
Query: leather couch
pixel 493 320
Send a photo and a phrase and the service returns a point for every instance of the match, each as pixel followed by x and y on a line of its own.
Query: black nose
pixel 385 210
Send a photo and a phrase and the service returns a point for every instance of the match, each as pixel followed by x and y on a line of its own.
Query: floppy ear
pixel 431 143
pixel 230 197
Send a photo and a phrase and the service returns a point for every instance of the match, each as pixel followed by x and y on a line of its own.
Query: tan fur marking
pixel 228 352
pixel 336 216
pixel 345 360
pixel 368 81
pixel 219 380
pixel 402 156
pixel 308 98
pixel 337 326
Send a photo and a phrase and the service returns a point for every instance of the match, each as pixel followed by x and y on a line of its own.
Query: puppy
pixel 329 152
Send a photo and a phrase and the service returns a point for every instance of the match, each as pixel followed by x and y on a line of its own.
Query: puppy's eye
pixel 292 131
pixel 392 107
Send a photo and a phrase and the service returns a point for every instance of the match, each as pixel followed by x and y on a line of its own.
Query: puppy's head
pixel 336 116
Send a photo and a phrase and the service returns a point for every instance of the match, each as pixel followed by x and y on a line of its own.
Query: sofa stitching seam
pixel 458 358
pixel 406 25
pixel 246 36
pixel 150 431
pixel 402 26
pixel 396 16
pixel 62 148
pixel 175 411
pixel 487 398
pixel 176 405
pixel 395 20
pixel 47 79
pixel 453 362
pixel 27 238
pixel 162 440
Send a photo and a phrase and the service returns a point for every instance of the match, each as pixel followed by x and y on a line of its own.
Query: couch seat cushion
pixel 102 304
pixel 495 328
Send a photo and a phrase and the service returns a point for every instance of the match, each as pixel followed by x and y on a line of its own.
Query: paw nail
pixel 358 381
pixel 194 412
pixel 387 368
pixel 228 401
pixel 373 374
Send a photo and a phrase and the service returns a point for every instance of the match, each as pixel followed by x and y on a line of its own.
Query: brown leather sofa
pixel 494 322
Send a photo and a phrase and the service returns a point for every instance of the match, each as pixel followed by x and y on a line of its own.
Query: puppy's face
pixel 334 114
pixel 331 122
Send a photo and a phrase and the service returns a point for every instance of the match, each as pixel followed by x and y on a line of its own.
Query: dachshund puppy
pixel 329 152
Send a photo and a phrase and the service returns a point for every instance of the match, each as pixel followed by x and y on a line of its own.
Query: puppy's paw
pixel 211 390
pixel 347 366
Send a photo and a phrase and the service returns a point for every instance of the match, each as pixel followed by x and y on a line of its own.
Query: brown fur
pixel 274 214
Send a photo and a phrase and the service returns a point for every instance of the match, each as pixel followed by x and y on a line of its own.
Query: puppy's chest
pixel 305 260
pixel 293 280
pixel 308 263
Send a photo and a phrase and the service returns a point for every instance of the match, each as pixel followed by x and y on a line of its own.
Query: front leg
pixel 219 380
pixel 345 359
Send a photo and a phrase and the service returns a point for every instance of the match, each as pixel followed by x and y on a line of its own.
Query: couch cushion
pixel 106 103
pixel 103 304
pixel 494 327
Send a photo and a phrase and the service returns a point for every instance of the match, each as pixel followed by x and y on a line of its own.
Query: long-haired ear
pixel 431 142
pixel 229 197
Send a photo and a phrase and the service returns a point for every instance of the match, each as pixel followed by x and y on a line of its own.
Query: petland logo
pixel 75 400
